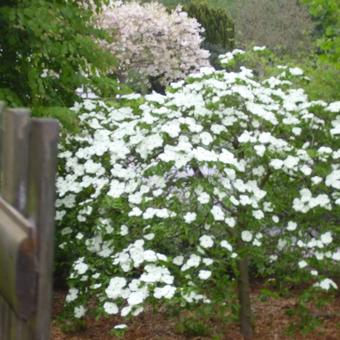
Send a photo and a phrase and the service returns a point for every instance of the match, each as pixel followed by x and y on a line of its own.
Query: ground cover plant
pixel 271 313
pixel 176 197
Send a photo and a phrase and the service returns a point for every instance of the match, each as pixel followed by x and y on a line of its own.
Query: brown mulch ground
pixel 271 324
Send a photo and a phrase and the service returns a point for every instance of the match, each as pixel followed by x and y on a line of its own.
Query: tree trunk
pixel 244 299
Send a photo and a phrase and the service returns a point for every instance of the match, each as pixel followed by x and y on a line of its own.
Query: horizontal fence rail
pixel 28 161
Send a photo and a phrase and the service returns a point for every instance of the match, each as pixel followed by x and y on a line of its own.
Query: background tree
pixel 327 17
pixel 154 47
pixel 48 49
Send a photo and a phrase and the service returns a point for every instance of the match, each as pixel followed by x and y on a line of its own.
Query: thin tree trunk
pixel 244 299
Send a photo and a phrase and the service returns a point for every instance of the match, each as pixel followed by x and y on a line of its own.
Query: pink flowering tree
pixel 151 44
pixel 173 197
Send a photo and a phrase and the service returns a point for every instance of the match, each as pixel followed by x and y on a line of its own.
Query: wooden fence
pixel 28 156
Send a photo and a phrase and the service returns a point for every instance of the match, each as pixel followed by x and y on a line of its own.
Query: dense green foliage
pixel 324 66
pixel 48 49
pixel 219 27
pixel 326 13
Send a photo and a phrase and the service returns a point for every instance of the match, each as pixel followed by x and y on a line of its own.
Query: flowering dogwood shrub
pixel 152 44
pixel 166 197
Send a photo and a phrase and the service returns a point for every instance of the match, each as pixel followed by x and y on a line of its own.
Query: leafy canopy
pixel 48 49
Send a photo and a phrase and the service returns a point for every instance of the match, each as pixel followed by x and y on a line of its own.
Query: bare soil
pixel 270 317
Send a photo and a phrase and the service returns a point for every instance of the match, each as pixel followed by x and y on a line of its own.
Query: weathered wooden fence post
pixel 28 156
pixel 41 198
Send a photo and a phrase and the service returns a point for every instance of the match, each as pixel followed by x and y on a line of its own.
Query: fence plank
pixel 15 133
pixel 28 156
pixel 5 319
pixel 12 328
pixel 17 262
pixel 2 108
pixel 41 198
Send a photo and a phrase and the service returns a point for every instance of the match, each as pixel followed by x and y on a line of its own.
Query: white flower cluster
pixel 151 42
pixel 161 190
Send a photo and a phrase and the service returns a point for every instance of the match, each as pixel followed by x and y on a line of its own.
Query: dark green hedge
pixel 218 25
